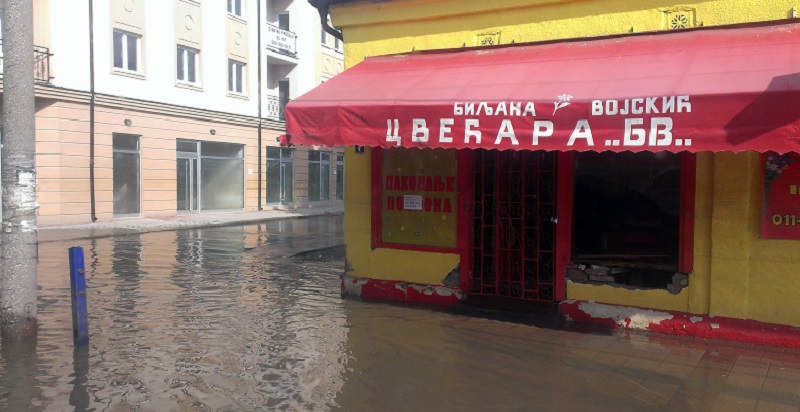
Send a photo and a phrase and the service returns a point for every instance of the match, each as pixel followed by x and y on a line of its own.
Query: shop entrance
pixel 280 172
pixel 514 231
pixel 187 184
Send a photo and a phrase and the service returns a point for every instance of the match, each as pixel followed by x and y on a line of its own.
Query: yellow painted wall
pixel 736 274
pixel 377 28
pixel 386 264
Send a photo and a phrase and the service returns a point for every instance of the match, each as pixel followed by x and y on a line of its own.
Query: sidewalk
pixel 143 225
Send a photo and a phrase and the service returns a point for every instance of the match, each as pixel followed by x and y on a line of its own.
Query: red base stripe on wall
pixel 680 323
pixel 400 291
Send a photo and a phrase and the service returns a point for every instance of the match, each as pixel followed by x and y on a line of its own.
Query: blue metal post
pixel 77 280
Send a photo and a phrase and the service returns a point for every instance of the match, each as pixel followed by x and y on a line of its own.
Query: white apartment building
pixel 153 108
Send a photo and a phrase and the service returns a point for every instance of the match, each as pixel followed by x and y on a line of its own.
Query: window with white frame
pixel 279 172
pixel 235 77
pixel 326 38
pixel 127 50
pixel 126 174
pixel 319 176
pixel 235 8
pixel 187 65
pixel 339 176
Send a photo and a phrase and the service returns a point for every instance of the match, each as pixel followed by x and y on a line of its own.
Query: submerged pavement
pixel 226 319
pixel 135 225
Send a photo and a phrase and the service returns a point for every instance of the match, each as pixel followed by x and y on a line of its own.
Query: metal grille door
pixel 513 254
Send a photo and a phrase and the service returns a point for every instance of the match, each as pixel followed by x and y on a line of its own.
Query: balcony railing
pixel 276 107
pixel 41 64
pixel 281 41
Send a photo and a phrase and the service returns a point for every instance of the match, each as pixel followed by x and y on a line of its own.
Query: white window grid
pixel 188 65
pixel 236 8
pixel 125 61
pixel 324 164
pixel 236 75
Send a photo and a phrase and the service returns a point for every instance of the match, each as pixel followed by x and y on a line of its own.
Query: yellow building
pixel 644 152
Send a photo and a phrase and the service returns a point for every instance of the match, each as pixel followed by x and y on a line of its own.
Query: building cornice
pixel 184 111
pixel 44 91
pixel 371 12
pixel 49 92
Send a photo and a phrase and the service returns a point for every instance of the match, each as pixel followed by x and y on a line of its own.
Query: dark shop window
pixel 626 223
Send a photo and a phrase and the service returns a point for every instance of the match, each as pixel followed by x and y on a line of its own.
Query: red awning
pixel 730 88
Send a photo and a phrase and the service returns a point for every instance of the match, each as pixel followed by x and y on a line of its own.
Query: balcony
pixel 41 64
pixel 281 41
pixel 276 107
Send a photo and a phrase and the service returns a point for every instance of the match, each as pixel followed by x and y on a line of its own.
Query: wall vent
pixel 487 39
pixel 679 19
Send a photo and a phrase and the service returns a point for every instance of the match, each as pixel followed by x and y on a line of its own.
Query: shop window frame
pixel 322 165
pixel 686 219
pixel 462 211
pixel 565 181
pixel 238 157
pixel 687 216
pixel 199 154
pixel 137 152
pixel 283 161
pixel 339 174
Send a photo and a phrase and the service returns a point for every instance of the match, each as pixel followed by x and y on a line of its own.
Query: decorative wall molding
pixel 77 96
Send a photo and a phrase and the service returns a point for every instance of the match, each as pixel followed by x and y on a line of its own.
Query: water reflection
pixel 126 255
pixel 192 319
pixel 222 319
pixel 19 386
pixel 79 395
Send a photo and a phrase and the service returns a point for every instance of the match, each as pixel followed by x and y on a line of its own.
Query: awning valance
pixel 730 88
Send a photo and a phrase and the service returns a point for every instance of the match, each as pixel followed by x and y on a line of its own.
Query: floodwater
pixel 223 319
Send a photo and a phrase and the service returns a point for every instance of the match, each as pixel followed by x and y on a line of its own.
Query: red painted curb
pixel 681 323
pixel 364 288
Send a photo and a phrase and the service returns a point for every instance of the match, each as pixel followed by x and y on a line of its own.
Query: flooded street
pixel 224 319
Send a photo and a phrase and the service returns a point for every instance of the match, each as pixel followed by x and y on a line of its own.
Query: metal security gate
pixel 514 231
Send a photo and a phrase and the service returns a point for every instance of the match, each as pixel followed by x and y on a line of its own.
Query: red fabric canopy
pixel 730 88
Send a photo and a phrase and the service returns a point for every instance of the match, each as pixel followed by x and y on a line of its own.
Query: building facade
pixel 622 191
pixel 154 109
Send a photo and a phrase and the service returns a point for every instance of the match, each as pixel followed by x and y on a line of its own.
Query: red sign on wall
pixel 781 213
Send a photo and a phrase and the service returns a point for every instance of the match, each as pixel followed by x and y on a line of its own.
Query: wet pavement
pixel 224 319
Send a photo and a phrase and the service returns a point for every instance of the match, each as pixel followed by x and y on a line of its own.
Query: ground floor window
pixel 280 175
pixel 127 178
pixel 222 176
pixel 319 176
pixel 188 188
pixel 415 199
pixel 339 176
pixel 210 176
pixel 627 219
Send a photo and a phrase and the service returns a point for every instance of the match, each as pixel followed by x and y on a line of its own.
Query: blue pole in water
pixel 77 280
